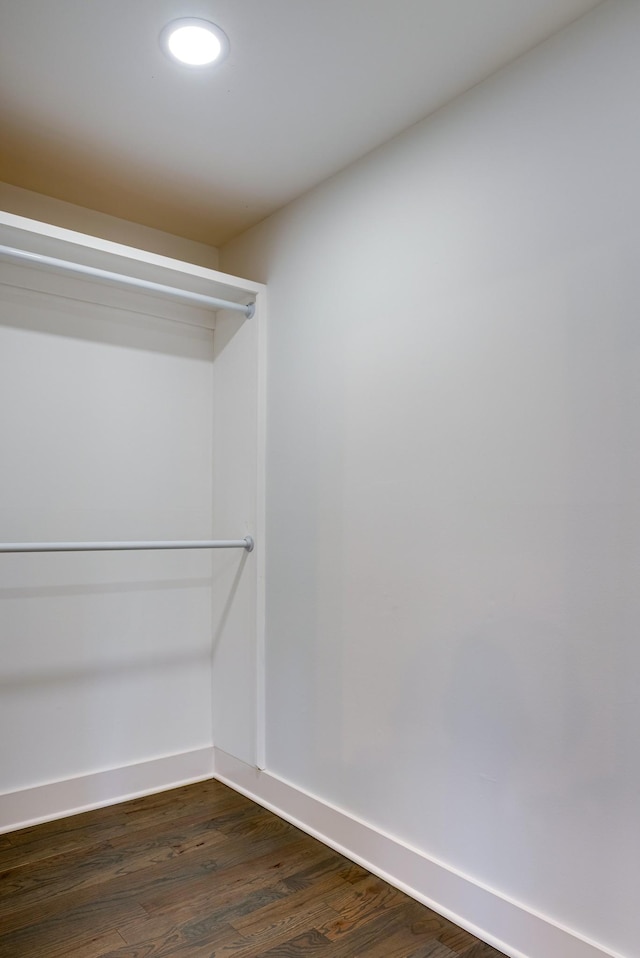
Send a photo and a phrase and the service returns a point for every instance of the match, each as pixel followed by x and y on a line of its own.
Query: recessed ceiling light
pixel 193 41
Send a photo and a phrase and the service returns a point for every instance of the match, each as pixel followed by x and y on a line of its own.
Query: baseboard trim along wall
pixel 509 926
pixel 44 803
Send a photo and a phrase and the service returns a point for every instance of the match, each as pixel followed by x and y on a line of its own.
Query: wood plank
pixel 405 943
pixel 107 824
pixel 368 935
pixel 177 944
pixel 298 902
pixel 211 871
pixel 139 875
pixel 457 939
pixel 365 899
pixel 309 943
pixel 84 867
pixel 240 890
pixel 65 930
pixel 481 950
pixel 96 947
pixel 433 949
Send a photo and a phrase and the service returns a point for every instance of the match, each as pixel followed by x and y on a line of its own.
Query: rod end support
pixel 249 543
pixel 250 310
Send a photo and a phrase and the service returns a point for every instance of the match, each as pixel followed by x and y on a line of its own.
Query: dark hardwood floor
pixel 202 872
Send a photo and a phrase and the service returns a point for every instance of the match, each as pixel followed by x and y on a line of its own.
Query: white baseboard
pixel 509 926
pixel 44 803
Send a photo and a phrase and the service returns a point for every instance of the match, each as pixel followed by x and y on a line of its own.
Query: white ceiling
pixel 92 112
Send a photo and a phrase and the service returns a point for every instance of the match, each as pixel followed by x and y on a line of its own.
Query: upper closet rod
pixel 246 543
pixel 247 311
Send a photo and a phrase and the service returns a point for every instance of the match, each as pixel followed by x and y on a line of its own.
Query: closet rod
pixel 246 543
pixel 247 310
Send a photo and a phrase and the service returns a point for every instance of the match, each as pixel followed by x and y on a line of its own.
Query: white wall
pixel 106 418
pixel 238 510
pixel 452 483
pixel 47 209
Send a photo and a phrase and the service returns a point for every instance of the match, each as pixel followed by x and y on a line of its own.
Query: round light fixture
pixel 195 42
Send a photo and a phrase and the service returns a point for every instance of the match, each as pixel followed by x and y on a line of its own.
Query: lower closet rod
pixel 246 543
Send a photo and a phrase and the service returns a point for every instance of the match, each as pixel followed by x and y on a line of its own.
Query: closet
pixel 131 411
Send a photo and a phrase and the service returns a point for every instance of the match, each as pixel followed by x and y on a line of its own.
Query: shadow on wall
pixel 102 588
pixel 17 683
pixel 100 314
pixel 225 612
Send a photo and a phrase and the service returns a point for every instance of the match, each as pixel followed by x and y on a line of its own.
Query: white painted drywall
pixel 47 209
pixel 106 419
pixel 453 474
pixel 237 511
